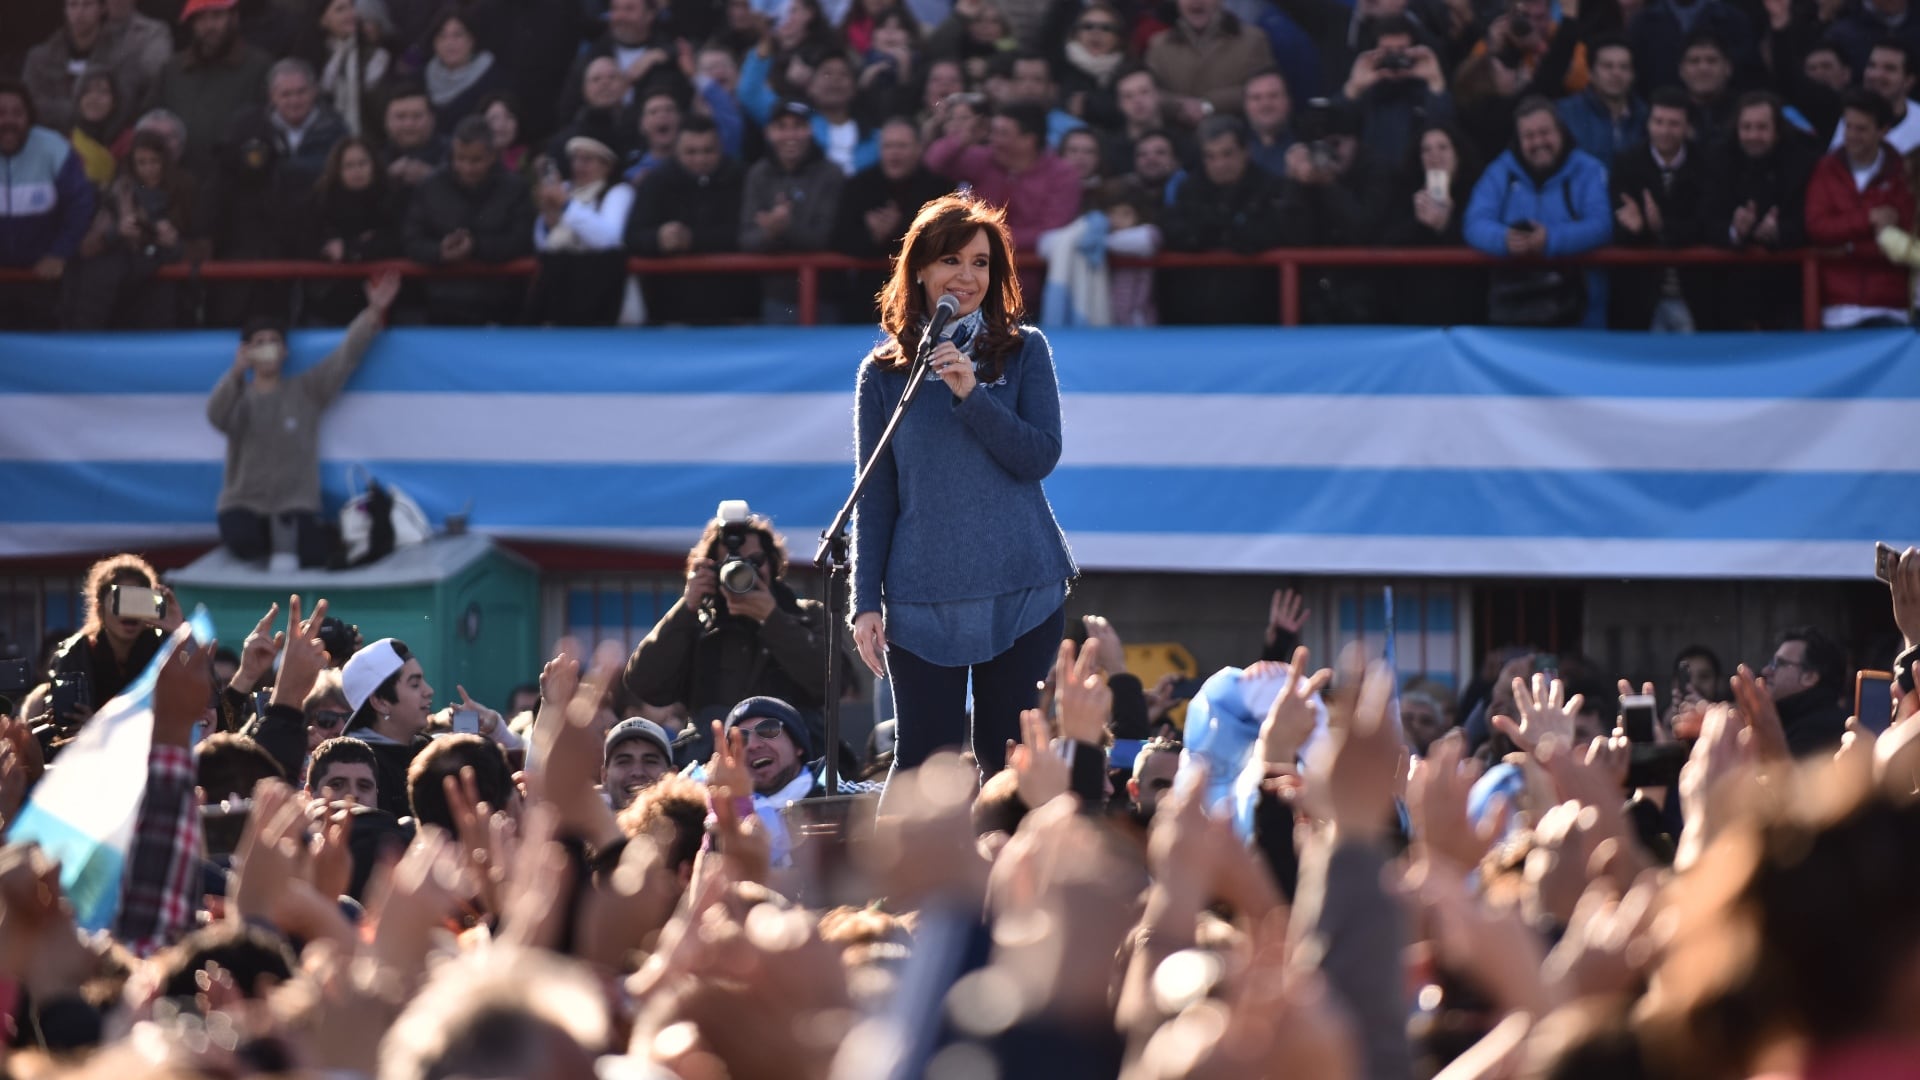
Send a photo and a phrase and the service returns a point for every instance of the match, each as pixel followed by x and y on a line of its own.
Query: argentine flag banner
pixel 85 810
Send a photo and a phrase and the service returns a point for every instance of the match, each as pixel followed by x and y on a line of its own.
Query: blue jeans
pixel 931 700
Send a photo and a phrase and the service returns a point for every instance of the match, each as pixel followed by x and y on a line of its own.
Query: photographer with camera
pixel 1334 195
pixel 737 631
pixel 1396 86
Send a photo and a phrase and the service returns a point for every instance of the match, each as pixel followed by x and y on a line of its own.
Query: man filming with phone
pixel 737 630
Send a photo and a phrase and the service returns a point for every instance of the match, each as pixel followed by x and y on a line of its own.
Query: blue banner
pixel 1464 452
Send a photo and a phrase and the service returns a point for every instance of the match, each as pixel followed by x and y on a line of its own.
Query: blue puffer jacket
pixel 1594 128
pixel 46 200
pixel 1571 204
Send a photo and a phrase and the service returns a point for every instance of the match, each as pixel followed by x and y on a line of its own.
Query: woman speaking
pixel 958 565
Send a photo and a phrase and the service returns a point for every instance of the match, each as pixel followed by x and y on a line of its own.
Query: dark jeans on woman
pixel 931 700
pixel 250 536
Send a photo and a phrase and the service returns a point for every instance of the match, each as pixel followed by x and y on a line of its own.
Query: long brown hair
pixel 942 228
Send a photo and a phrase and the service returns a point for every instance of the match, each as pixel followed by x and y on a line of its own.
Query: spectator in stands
pixel 471 211
pixel 1706 72
pixel 345 49
pixel 1156 169
pixel 46 214
pixel 580 233
pixel 1334 195
pixel 1095 57
pixel 1014 170
pixel 98 124
pixel 876 206
pixel 214 79
pixel 1855 192
pixel 1815 90
pixel 166 125
pixel 1756 196
pixel 344 769
pixel 1081 150
pixel 789 203
pixel 642 46
pixel 142 44
pixel 1396 87
pixel 1543 197
pixel 1606 117
pixel 847 142
pixel 889 80
pixel 1030 79
pixel 717 83
pixel 412 148
pixel 272 425
pixel 1154 768
pixel 53 68
pixel 1430 211
pixel 1805 679
pixel 716 647
pixel 302 128
pixel 1229 205
pixel 1663 30
pixel 93 666
pixel 391 702
pixel 660 118
pixel 144 222
pixel 461 73
pixel 1657 188
pixel 1143 109
pixel 1269 109
pixel 354 207
pixel 1205 58
pixel 502 111
pixel 601 116
pixel 1890 75
pixel 1870 24
pixel 691 206
pixel 638 755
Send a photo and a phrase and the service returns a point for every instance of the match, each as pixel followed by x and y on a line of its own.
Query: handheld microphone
pixel 943 311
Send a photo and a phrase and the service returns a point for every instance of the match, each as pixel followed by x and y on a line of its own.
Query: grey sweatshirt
pixel 273 437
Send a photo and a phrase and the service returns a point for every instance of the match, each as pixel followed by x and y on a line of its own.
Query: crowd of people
pixel 144 133
pixel 1297 872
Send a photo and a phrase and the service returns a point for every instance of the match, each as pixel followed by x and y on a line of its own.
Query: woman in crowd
pixel 580 236
pixel 502 111
pixel 1095 54
pixel 143 222
pixel 1431 198
pixel 461 73
pixel 1080 148
pixel 355 219
pixel 888 80
pixel 98 120
pixel 936 601
pixel 345 49
pixel 111 650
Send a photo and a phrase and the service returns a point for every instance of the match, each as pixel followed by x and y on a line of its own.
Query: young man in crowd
pixel 41 227
pixel 1855 192
pixel 1657 188
pixel 471 211
pixel 788 204
pixel 343 769
pixel 638 754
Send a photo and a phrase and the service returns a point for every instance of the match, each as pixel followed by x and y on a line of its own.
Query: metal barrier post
pixel 1289 292
pixel 809 294
pixel 1809 290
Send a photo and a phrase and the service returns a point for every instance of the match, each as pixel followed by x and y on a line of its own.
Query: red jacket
pixel 1837 216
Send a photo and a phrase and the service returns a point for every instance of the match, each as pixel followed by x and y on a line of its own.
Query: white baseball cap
pixel 365 670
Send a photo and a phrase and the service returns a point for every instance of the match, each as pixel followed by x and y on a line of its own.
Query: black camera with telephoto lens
pixel 737 574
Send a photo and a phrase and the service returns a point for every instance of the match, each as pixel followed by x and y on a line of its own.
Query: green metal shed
pixel 469 610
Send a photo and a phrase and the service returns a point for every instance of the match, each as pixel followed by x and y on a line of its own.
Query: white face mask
pixel 267 355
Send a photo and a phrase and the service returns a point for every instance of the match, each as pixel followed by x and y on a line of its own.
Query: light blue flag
pixel 84 812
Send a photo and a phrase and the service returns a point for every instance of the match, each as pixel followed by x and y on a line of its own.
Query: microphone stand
pixel 833 558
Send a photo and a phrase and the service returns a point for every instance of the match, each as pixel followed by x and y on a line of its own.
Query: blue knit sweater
pixel 955 510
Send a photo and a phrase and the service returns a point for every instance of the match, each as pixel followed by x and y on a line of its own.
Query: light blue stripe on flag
pixel 85 811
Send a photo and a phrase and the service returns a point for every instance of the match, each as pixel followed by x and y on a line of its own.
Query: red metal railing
pixel 808 267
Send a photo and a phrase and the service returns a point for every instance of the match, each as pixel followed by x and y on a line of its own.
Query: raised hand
pixel 1043 774
pixel 1437 801
pixel 256 655
pixel 1292 717
pixel 1286 611
pixel 1762 717
pixel 381 290
pixel 1086 703
pixel 183 689
pixel 305 657
pixel 1363 769
pixel 1113 651
pixel 1905 588
pixel 1545 715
